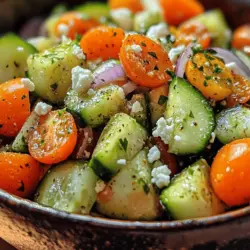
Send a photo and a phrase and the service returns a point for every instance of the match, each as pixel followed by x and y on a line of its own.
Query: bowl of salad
pixel 126 125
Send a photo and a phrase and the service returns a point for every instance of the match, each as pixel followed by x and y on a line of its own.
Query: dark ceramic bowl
pixel 29 226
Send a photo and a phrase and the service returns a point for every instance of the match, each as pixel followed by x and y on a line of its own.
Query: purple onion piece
pixel 129 87
pixel 228 57
pixel 183 60
pixel 110 74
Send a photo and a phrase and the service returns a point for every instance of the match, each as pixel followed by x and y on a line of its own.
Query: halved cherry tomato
pixel 102 42
pixel 133 5
pixel 145 61
pixel 178 11
pixel 210 75
pixel 193 31
pixel 230 173
pixel 14 107
pixel 54 139
pixel 241 91
pixel 166 157
pixel 241 38
pixel 75 24
pixel 20 174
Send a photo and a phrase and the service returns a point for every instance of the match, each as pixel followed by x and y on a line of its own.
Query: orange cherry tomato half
pixel 230 173
pixel 72 24
pixel 20 174
pixel 178 11
pixel 54 139
pixel 14 106
pixel 102 42
pixel 241 38
pixel 193 31
pixel 145 61
pixel 132 5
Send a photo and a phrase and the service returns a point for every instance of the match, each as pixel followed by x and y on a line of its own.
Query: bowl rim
pixel 13 201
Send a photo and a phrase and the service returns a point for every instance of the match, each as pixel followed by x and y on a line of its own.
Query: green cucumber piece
pixel 95 10
pixel 233 124
pixel 51 71
pixel 141 116
pixel 243 57
pixel 143 20
pixel 122 138
pixel 14 53
pixel 190 194
pixel 133 195
pixel 97 109
pixel 20 143
pixel 192 118
pixel 69 187
pixel 216 24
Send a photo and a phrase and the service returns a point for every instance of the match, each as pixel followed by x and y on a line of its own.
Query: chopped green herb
pixel 162 100
pixel 42 142
pixel 61 112
pixel 153 54
pixel 217 69
pixel 191 114
pixel 69 130
pixel 200 68
pixel 23 97
pixel 205 83
pixel 211 51
pixel 54 86
pixel 170 73
pixel 124 143
pixel 209 57
pixel 115 33
pixel 170 38
pixel 208 77
pixel 26 74
pixel 196 49
pixel 143 44
pixel 156 67
pixel 78 38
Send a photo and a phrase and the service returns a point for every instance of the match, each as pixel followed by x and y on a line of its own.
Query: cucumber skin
pixel 233 124
pixel 192 147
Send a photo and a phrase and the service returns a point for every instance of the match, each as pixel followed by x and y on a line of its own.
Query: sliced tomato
pixel 54 139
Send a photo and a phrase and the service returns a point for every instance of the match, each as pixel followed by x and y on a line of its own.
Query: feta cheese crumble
pixel 28 84
pixel 175 52
pixel 123 17
pixel 63 29
pixel 164 129
pixel 161 176
pixel 177 138
pixel 77 51
pixel 20 49
pixel 136 107
pixel 100 186
pixel 135 48
pixel 158 31
pixel 91 92
pixel 122 162
pixel 154 154
pixel 213 136
pixel 81 79
pixel 42 108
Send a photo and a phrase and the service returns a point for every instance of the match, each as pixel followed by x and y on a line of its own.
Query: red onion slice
pixel 183 60
pixel 228 57
pixel 129 87
pixel 108 72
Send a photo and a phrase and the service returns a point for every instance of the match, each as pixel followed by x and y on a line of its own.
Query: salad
pixel 130 109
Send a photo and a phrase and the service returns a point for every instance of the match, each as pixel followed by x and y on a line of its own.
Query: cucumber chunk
pixel 70 187
pixel 51 71
pixel 20 143
pixel 216 24
pixel 42 43
pixel 14 53
pixel 191 116
pixel 233 124
pixel 122 138
pixel 97 109
pixel 95 10
pixel 143 20
pixel 139 110
pixel 133 195
pixel 190 195
pixel 243 57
